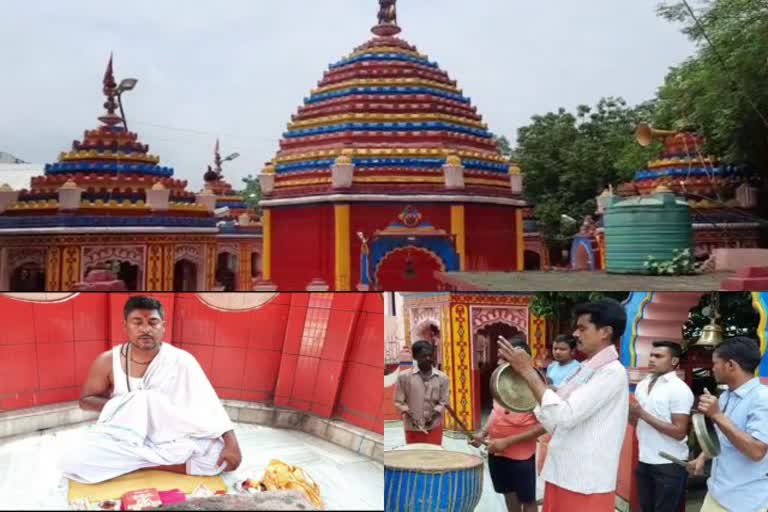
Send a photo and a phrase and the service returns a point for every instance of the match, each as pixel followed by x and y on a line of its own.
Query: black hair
pixel 741 350
pixel 565 338
pixel 604 313
pixel 142 302
pixel 674 347
pixel 421 346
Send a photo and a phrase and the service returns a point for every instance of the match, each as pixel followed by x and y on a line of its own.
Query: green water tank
pixel 637 227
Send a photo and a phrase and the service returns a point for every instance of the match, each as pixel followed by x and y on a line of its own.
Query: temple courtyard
pixel 532 281
pixel 29 479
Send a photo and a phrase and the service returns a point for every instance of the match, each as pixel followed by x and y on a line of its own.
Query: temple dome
pixel 398 117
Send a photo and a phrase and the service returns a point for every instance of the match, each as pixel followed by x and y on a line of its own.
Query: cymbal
pixel 706 435
pixel 510 390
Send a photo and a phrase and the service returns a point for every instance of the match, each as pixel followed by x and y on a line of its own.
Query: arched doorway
pixel 582 254
pixel 409 269
pixel 226 272
pixel 487 358
pixel 185 276
pixel 531 260
pixel 28 277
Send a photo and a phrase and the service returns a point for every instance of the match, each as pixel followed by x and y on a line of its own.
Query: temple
pixel 108 212
pixel 389 175
pixel 722 198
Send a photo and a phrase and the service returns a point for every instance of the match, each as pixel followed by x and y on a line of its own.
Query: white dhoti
pixel 175 418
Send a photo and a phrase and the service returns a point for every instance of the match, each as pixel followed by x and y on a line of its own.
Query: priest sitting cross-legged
pixel 158 409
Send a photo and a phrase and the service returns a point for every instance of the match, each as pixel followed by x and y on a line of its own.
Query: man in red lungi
pixel 587 415
pixel 421 397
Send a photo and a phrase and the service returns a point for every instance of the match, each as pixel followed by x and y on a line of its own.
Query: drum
pixel 432 481
pixel 420 446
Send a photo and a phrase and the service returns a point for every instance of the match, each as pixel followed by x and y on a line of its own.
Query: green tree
pixel 252 192
pixel 721 91
pixel 504 145
pixel 557 307
pixel 738 316
pixel 569 158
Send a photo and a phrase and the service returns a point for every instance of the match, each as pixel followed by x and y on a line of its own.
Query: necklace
pixel 137 362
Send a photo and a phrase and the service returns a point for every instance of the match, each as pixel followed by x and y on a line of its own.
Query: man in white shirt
pixel 587 416
pixel 662 411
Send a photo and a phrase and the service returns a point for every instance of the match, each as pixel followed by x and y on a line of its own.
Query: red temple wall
pixel 302 246
pixel 298 350
pixel 491 238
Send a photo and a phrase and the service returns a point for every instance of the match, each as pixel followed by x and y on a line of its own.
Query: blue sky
pixel 240 68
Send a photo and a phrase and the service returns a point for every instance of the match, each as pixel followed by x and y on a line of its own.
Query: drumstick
pixel 461 425
pixel 677 461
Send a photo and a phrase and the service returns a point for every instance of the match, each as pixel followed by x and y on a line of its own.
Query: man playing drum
pixel 421 397
pixel 739 479
pixel 587 416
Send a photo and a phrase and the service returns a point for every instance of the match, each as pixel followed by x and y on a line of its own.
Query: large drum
pixel 431 481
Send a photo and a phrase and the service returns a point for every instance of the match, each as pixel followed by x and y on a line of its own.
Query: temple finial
pixel 217 157
pixel 110 90
pixel 214 174
pixel 387 19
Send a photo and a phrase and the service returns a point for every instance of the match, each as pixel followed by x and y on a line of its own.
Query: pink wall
pixel 319 353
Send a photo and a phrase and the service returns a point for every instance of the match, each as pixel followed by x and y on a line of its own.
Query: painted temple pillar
pixel 53 269
pixel 458 230
pixel 210 266
pixel 342 248
pixel 169 266
pixel 155 278
pixel 245 282
pixel 71 267
pixel 520 244
pixel 266 249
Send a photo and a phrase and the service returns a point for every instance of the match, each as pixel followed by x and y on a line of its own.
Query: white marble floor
pixel 347 480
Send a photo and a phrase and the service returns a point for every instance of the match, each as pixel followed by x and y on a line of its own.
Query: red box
pixel 141 499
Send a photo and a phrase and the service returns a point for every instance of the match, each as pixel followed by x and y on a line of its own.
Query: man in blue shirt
pixel 739 480
pixel 563 352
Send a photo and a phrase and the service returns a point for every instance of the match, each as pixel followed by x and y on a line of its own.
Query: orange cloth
pixel 557 499
pixel 435 436
pixel 503 423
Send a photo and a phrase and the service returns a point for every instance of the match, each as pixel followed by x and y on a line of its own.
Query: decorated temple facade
pixel 722 198
pixel 386 176
pixel 107 215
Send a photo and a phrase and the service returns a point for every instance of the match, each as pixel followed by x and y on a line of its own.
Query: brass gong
pixel 510 389
pixel 706 435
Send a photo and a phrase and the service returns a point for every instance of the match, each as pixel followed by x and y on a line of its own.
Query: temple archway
pixel 486 347
pixel 255 265
pixel 185 275
pixel 409 269
pixel 226 271
pixel 531 260
pixel 582 254
pixel 28 277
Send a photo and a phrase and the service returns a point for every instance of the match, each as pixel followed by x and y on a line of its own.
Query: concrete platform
pixel 348 480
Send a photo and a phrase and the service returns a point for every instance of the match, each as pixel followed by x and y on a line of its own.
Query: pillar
pixel 246 284
pixel 169 254
pixel 342 247
pixel 461 370
pixel 520 239
pixel 154 274
pixel 210 266
pixel 70 267
pixel 446 337
pixel 458 230
pixel 266 242
pixel 53 269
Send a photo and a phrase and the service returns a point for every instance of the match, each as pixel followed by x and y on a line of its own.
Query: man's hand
pixel 635 410
pixel 696 466
pixel 497 446
pixel 708 404
pixel 477 440
pixel 517 358
pixel 231 455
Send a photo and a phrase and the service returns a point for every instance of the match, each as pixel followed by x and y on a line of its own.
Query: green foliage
pixel 252 192
pixel 504 145
pixel 739 317
pixel 681 264
pixel 555 305
pixel 569 158
pixel 722 92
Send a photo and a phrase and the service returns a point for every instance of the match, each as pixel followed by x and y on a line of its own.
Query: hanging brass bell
pixel 711 336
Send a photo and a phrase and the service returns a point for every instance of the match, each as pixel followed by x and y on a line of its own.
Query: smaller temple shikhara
pixel 107 215
pixel 721 199
pixel 386 176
